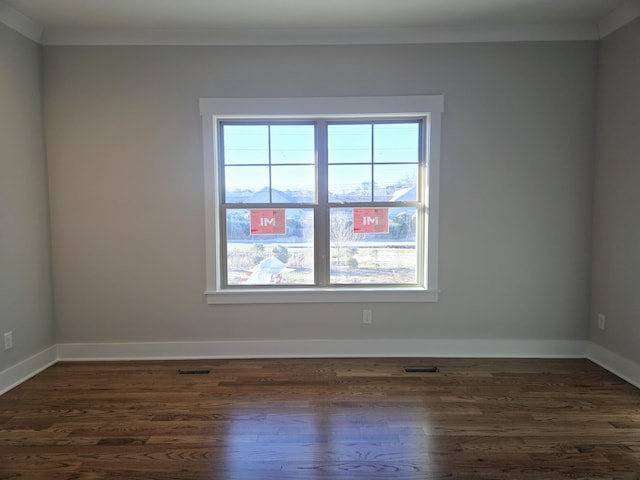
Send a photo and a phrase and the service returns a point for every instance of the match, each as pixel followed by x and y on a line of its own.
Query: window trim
pixel 214 109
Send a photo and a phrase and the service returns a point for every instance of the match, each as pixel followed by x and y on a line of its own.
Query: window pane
pixel 268 259
pixel 245 144
pixel 396 142
pixel 395 183
pixel 293 144
pixel 374 258
pixel 293 184
pixel 349 143
pixel 350 183
pixel 246 184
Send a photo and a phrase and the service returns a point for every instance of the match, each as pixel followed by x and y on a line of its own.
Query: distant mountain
pixel 405 194
pixel 262 196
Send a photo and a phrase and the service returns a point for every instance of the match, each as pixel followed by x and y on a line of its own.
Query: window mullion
pixel 373 145
pixel 322 260
pixel 270 164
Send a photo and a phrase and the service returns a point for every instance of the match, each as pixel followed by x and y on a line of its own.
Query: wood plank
pixel 321 419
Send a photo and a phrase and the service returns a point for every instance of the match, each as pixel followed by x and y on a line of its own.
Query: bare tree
pixel 341 233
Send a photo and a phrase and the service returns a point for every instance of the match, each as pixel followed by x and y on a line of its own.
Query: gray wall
pixel 616 233
pixel 125 161
pixel 25 271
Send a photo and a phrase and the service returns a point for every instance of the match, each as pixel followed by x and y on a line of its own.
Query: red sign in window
pixel 268 222
pixel 371 220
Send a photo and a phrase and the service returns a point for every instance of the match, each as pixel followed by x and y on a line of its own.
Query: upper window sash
pixel 257 165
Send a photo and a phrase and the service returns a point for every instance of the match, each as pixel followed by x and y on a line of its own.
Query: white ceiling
pixel 308 13
pixel 59 17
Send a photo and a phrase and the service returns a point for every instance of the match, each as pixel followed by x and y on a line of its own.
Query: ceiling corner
pixel 20 23
pixel 625 13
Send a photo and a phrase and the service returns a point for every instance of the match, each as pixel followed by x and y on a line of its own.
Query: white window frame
pixel 429 107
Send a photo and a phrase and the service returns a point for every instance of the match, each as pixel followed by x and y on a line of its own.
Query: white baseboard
pixel 23 371
pixel 324 348
pixel 618 365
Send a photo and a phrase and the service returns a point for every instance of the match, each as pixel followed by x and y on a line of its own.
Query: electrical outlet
pixel 602 321
pixel 366 317
pixel 8 340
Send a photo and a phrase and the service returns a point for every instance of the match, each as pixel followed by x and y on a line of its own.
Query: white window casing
pixel 429 107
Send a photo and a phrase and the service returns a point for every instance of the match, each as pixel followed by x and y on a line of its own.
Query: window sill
pixel 351 295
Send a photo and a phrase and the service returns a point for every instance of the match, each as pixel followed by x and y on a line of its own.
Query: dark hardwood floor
pixel 322 419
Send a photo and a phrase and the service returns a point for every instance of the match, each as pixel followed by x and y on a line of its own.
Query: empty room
pixel 363 239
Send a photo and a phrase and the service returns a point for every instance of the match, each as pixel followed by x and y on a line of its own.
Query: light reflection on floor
pixel 328 442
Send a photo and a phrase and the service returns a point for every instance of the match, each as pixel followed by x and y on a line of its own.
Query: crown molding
pixel 20 23
pixel 12 18
pixel 319 36
pixel 625 13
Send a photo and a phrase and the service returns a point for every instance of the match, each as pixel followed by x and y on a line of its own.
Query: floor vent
pixel 203 371
pixel 428 369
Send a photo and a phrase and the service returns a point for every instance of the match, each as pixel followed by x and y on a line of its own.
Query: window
pixel 321 199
